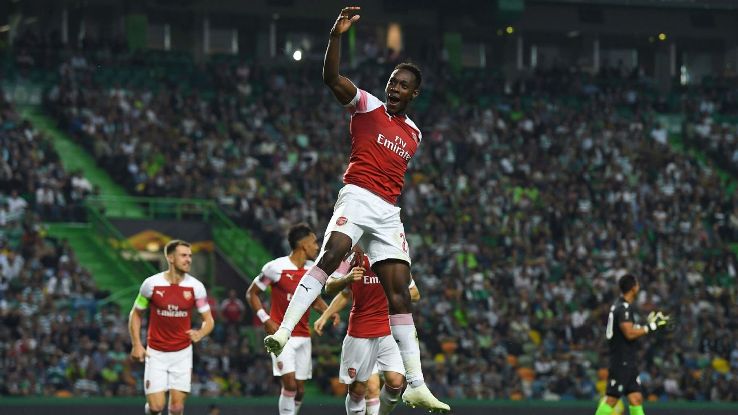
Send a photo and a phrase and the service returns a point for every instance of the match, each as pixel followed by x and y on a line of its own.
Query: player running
pixel 384 139
pixel 169 296
pixel 294 365
pixel 368 345
pixel 622 332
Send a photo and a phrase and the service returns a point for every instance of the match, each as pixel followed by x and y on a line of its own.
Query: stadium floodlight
pixel 297 55
pixel 509 30
pixel 662 36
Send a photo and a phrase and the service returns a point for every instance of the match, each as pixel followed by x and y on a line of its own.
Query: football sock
pixel 287 402
pixel 305 294
pixel 355 404
pixel 372 406
pixel 604 408
pixel 403 330
pixel 388 399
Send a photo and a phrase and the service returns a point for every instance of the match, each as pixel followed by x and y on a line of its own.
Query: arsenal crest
pixel 352 372
pixel 341 221
pixel 279 365
pixel 187 295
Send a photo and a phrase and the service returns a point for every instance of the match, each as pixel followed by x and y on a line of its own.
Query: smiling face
pixel 402 87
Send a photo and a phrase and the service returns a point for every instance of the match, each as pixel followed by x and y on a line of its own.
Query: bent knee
pixel 397 381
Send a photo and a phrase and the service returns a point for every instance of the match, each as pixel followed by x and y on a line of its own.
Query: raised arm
pixel 343 89
pixel 335 285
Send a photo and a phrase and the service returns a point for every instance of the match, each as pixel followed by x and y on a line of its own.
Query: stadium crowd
pixel 31 174
pixel 523 206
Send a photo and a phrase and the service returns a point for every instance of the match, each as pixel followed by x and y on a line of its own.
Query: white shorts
pixel 371 221
pixel 295 357
pixel 168 370
pixel 362 357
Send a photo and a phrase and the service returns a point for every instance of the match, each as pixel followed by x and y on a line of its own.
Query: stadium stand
pixel 560 183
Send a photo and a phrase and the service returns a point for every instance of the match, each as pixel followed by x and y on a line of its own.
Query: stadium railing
pixel 244 251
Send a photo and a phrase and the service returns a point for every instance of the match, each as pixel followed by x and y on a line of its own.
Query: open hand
pixel 345 19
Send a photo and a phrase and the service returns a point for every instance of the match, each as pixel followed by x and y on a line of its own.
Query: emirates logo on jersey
pixel 341 221
pixel 398 146
pixel 352 372
pixel 187 295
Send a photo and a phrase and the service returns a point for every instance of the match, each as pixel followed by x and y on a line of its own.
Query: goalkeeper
pixel 622 333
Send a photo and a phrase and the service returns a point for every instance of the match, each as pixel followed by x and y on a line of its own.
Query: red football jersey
pixel 381 147
pixel 284 277
pixel 369 316
pixel 170 310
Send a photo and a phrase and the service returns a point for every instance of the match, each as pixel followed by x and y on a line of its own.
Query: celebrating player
pixel 169 296
pixel 294 365
pixel 622 332
pixel 368 345
pixel 384 139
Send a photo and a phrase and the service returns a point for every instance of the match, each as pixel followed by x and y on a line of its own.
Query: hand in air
pixel 345 19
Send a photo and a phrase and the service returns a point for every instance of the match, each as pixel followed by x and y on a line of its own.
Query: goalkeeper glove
pixel 656 320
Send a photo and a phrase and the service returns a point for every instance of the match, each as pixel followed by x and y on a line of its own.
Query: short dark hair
pixel 170 247
pixel 409 66
pixel 627 282
pixel 297 232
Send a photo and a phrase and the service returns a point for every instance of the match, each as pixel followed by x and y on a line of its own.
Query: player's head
pixel 179 255
pixel 628 283
pixel 301 237
pixel 402 87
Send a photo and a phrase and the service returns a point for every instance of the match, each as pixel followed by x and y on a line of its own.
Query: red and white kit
pixel 169 348
pixel 381 148
pixel 284 278
pixel 368 346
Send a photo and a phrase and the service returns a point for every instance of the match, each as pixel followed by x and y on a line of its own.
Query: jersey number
pixel 610 322
pixel 404 242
